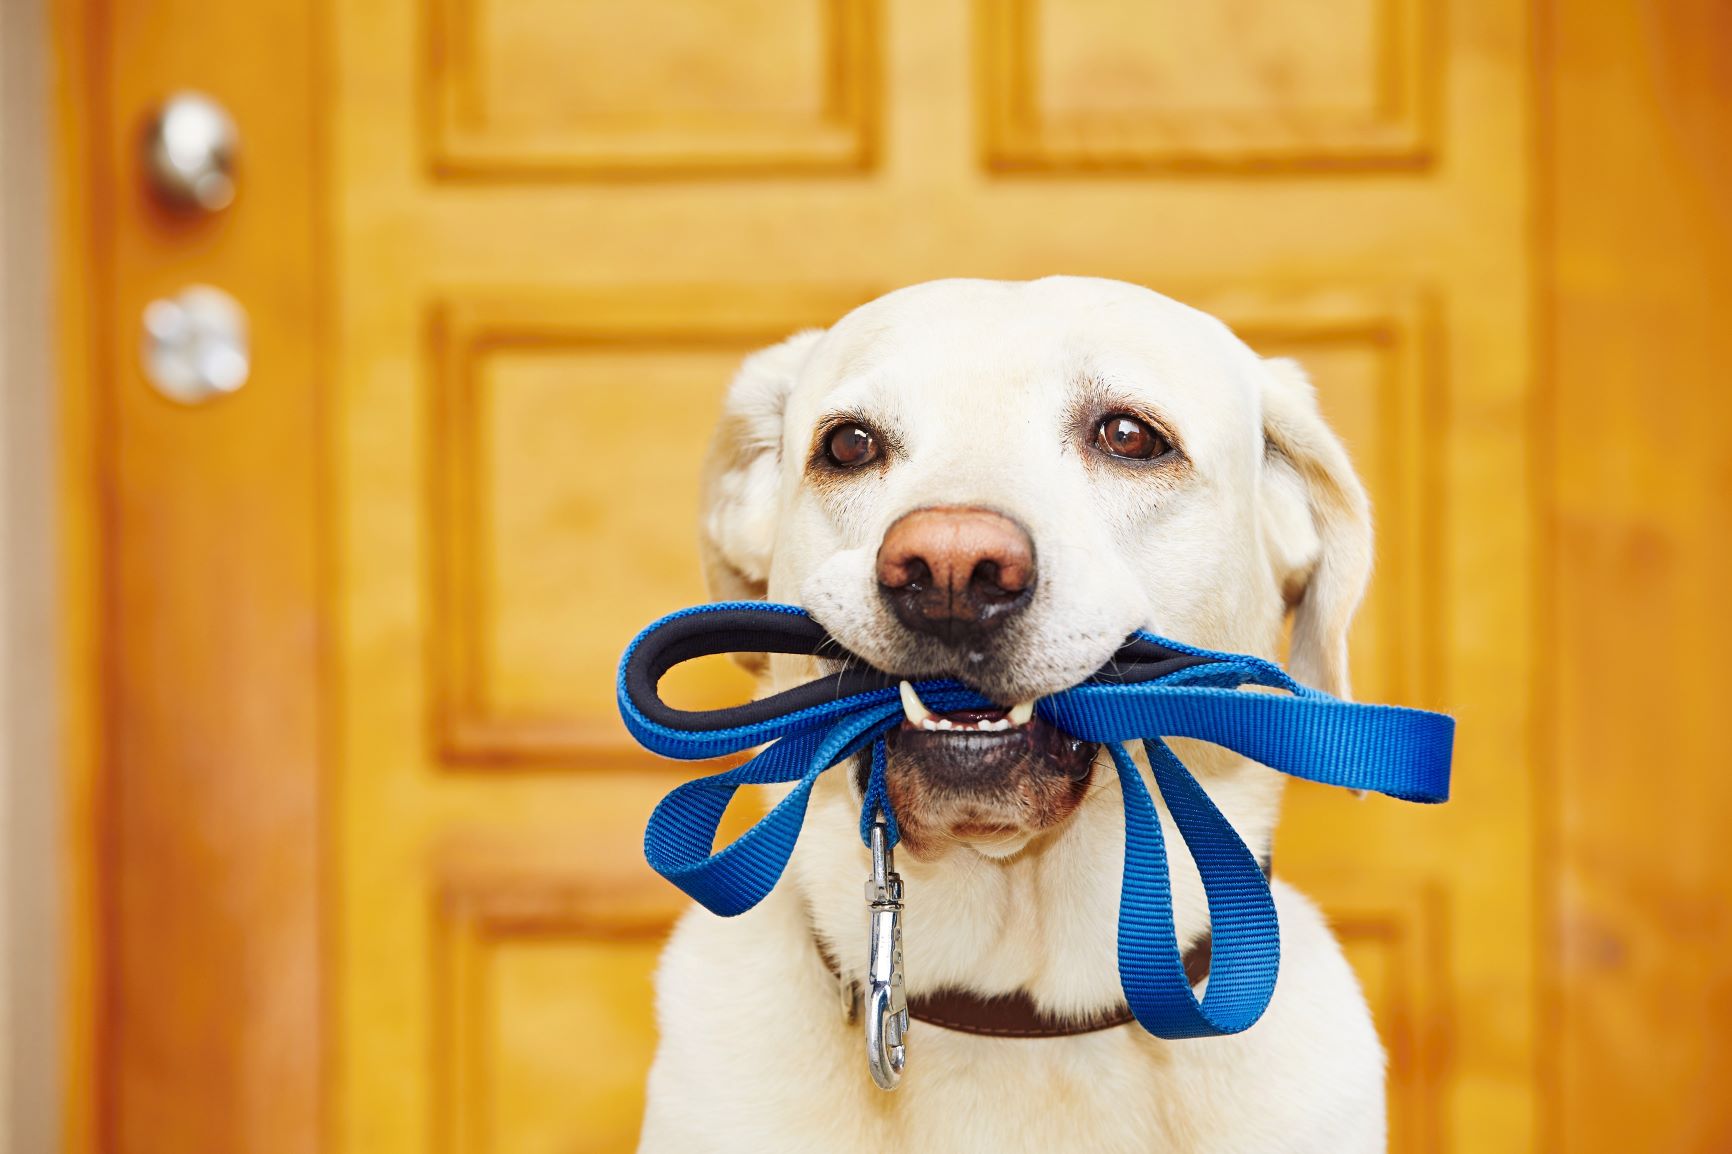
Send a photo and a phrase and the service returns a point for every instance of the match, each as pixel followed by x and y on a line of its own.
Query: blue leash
pixel 1153 688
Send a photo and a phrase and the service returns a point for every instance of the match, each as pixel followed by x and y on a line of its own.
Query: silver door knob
pixel 189 153
pixel 195 345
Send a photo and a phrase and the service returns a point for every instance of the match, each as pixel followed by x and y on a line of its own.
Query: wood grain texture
pixel 1408 288
pixel 1371 353
pixel 78 348
pixel 191 535
pixel 518 962
pixel 205 527
pixel 1101 85
pixel 1394 929
pixel 586 89
pixel 527 546
pixel 1638 285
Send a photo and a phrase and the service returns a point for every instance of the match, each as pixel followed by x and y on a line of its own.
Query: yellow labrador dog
pixel 998 482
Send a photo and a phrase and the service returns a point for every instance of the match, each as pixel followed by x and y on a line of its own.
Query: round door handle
pixel 195 345
pixel 189 153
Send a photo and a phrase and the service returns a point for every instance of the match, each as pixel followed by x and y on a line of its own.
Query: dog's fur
pixel 1258 514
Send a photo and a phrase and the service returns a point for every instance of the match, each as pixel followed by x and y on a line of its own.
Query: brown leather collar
pixel 1012 1015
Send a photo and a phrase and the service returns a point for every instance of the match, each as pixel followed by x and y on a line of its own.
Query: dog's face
pixel 997 482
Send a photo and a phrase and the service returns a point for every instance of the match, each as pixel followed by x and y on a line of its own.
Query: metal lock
pixel 886 1008
pixel 190 149
pixel 195 346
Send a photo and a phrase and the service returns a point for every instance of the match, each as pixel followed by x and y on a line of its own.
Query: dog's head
pixel 998 482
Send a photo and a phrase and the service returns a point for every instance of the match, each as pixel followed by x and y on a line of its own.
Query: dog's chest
pixel 1092 1093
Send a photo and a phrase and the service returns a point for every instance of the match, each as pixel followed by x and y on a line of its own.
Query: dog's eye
pixel 1123 435
pixel 851 445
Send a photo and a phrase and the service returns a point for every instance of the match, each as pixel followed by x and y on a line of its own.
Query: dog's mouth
pixel 989 778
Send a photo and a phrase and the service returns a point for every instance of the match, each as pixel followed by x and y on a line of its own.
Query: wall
pixel 29 773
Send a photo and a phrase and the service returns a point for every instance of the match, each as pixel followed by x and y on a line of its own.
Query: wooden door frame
pixel 196 610
pixel 154 1057
pixel 1633 247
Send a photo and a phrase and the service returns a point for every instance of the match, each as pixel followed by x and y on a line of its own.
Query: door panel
pixel 1093 84
pixel 534 982
pixel 564 455
pixel 569 90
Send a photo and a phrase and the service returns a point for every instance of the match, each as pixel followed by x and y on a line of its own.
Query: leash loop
pixel 1243 961
pixel 1151 689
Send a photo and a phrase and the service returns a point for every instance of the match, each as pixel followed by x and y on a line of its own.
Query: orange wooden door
pixel 556 229
pixel 535 239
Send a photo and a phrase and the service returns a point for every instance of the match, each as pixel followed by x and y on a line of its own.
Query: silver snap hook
pixel 886 996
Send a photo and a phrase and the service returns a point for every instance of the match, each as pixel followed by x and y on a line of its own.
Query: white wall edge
pixel 31 906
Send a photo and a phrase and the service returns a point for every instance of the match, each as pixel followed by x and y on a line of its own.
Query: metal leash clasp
pixel 886 997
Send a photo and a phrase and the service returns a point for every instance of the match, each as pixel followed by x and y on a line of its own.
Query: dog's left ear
pixel 737 521
pixel 1316 525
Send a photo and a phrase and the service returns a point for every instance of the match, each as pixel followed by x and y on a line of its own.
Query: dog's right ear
pixel 737 522
pixel 1317 525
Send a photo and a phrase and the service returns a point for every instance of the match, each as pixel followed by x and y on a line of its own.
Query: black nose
pixel 956 573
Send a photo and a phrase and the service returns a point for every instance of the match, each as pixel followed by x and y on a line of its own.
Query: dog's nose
pixel 955 573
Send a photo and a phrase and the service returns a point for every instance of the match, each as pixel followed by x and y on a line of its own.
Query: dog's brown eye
pixel 1123 435
pixel 851 445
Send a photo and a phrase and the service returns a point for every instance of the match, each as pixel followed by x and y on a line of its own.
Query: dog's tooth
pixel 1000 723
pixel 945 723
pixel 1021 713
pixel 929 723
pixel 912 707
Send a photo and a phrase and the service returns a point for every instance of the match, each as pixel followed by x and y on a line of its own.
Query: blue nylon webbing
pixel 1404 753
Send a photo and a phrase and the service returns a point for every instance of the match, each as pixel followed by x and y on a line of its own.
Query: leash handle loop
pixel 1245 946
